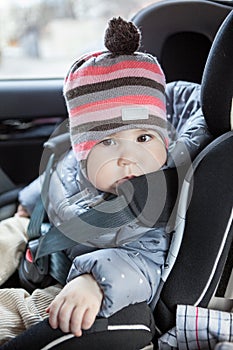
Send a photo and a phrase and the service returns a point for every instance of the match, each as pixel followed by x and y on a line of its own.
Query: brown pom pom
pixel 122 37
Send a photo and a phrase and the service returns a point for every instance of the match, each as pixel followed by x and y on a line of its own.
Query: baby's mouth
pixel 126 178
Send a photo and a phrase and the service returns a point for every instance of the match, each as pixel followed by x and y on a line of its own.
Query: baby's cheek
pixel 104 178
pixel 160 155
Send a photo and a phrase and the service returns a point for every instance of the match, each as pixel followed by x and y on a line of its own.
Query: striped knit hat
pixel 110 91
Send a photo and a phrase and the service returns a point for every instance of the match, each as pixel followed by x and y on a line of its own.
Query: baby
pixel 116 105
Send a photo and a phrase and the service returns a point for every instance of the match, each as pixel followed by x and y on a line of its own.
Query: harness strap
pixel 134 204
pixel 39 213
pixel 59 267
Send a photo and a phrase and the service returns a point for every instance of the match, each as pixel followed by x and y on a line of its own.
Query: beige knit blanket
pixel 19 310
pixel 13 240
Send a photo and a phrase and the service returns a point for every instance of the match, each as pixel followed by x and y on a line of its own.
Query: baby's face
pixel 124 155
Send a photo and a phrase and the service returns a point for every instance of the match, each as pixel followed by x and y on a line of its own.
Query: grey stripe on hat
pixel 112 84
pixel 116 92
pixel 102 129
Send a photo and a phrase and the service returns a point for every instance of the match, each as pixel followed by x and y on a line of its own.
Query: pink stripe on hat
pixel 124 100
pixel 84 146
pixel 100 70
pixel 130 72
pixel 113 112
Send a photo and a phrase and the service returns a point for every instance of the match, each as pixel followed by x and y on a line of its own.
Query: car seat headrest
pixel 217 80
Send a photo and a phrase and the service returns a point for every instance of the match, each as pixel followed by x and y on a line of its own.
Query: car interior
pixel 26 126
pixel 181 34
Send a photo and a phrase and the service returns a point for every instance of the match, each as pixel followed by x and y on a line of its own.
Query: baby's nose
pixel 127 153
pixel 126 161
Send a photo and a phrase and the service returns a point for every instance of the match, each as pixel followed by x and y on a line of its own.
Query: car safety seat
pixel 203 268
pixel 180 33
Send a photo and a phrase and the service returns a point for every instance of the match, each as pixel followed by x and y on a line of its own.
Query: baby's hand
pixel 76 306
pixel 21 211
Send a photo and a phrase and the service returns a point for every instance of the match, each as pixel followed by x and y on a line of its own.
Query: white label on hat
pixel 135 113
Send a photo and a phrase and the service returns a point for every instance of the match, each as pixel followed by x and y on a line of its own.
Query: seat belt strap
pixel 39 213
pixel 116 213
pixel 92 224
pixel 59 267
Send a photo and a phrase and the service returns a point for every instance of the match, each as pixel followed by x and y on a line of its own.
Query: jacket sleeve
pixel 188 130
pixel 29 195
pixel 126 275
pixel 182 101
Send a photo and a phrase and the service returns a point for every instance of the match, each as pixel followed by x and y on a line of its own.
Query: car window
pixel 40 38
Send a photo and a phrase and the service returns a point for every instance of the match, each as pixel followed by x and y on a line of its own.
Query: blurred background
pixel 40 38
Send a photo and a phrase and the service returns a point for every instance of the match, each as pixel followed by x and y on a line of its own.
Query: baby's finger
pixel 53 310
pixel 76 320
pixel 89 318
pixel 64 316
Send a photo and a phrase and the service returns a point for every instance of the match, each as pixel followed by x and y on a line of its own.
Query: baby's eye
pixel 144 138
pixel 108 142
